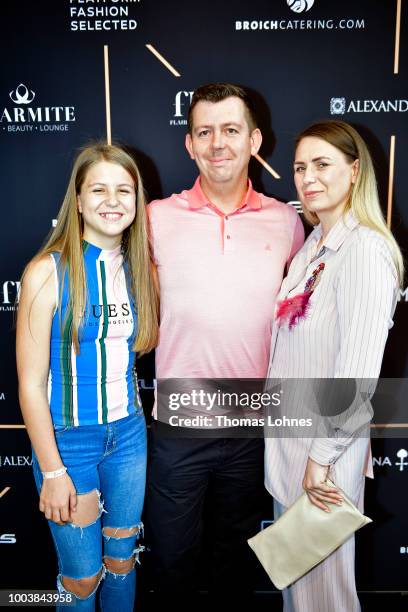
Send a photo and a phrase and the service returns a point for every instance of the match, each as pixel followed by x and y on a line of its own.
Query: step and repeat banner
pixel 302 60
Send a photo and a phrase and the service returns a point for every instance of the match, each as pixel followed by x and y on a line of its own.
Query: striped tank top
pixel 98 385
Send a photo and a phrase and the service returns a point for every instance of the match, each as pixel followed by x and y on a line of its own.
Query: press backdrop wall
pixel 304 62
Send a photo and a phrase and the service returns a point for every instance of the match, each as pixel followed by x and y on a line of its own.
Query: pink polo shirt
pixel 219 277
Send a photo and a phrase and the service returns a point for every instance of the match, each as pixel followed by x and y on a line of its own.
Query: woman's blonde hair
pixel 66 238
pixel 363 201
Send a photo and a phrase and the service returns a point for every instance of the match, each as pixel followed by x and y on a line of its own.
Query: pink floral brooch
pixel 295 308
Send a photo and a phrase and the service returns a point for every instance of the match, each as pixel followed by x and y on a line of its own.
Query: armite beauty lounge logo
pixel 26 116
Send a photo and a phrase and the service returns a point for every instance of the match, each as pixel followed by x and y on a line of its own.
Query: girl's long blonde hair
pixel 363 201
pixel 66 238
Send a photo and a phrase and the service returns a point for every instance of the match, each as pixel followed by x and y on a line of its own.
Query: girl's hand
pixel 58 499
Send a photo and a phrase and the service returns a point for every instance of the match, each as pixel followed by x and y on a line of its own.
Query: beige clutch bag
pixel 303 536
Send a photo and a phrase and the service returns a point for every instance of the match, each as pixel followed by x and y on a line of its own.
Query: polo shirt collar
pixel 197 198
pixel 338 232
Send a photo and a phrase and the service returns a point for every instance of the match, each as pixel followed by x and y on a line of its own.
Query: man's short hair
pixel 216 92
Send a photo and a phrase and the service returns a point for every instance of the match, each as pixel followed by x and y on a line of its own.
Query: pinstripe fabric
pixel 342 336
pixel 329 587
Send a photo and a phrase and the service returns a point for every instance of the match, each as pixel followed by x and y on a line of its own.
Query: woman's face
pixel 107 202
pixel 323 176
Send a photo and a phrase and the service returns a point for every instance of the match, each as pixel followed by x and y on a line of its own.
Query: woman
pixel 345 280
pixel 88 303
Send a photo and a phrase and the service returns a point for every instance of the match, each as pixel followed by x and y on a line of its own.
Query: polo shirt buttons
pixel 228 242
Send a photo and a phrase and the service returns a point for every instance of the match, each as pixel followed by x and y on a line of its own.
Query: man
pixel 221 250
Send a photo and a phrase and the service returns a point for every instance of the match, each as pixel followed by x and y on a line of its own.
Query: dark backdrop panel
pixel 336 57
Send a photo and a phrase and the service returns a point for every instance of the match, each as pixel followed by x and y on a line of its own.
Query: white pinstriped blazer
pixel 342 336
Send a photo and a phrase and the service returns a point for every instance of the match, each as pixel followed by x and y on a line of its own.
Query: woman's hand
pixel 58 499
pixel 318 492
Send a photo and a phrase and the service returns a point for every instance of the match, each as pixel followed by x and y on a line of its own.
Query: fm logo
pixel 11 291
pixel 180 100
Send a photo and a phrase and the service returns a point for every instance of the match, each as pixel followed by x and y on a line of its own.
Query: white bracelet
pixel 55 473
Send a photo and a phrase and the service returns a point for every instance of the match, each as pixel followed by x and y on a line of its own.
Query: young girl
pixel 88 303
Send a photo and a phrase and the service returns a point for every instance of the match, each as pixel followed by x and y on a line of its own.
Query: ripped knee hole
pixel 89 509
pixel 120 532
pixel 82 587
pixel 119 566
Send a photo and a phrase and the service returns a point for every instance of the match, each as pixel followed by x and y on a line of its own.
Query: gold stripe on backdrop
pixel 163 60
pixel 267 166
pixel 4 491
pixel 391 181
pixel 397 37
pixel 389 425
pixel 107 95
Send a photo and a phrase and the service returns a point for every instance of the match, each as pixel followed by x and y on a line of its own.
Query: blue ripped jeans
pixel 110 459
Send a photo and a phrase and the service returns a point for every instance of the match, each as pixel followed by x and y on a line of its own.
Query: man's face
pixel 221 142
